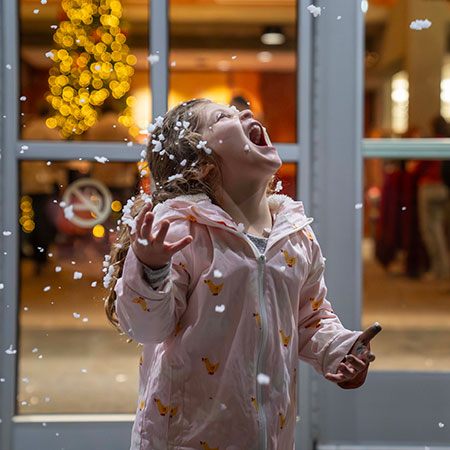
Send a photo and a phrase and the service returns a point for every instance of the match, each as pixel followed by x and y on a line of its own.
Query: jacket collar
pixel 288 214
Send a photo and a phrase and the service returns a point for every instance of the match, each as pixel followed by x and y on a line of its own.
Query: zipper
pixel 261 259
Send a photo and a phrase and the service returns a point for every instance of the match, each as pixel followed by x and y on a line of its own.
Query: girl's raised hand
pixel 352 371
pixel 150 250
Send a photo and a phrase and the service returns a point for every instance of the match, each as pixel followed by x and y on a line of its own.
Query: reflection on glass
pixel 237 52
pixel 406 84
pixel 84 70
pixel 406 257
pixel 70 358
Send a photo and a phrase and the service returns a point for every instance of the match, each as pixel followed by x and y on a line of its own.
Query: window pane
pixel 84 70
pixel 407 71
pixel 65 340
pixel 217 52
pixel 406 263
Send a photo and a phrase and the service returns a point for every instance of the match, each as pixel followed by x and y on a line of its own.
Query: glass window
pixel 406 257
pixel 407 86
pixel 238 52
pixel 65 339
pixel 84 70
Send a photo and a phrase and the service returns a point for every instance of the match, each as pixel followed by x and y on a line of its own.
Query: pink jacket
pixel 225 314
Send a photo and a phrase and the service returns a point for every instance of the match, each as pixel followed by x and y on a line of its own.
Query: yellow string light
pixel 92 64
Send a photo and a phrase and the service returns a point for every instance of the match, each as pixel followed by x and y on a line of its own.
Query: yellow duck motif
pixel 163 410
pixel 183 266
pixel 205 445
pixel 191 218
pixel 314 325
pixel 255 402
pixel 141 301
pixel 258 318
pixel 173 411
pixel 141 361
pixel 142 405
pixel 315 304
pixel 285 339
pixel 308 234
pixel 209 367
pixel 215 289
pixel 282 420
pixel 289 260
pixel 178 328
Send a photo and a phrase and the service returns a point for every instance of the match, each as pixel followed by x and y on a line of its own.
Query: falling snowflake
pixel 220 309
pixel 173 177
pixel 202 144
pixel 263 378
pixel 47 288
pixel 142 241
pixel 76 315
pixel 58 269
pixel 152 59
pixel 77 275
pixel 93 284
pixel 246 148
pixel 420 24
pixel 183 163
pixel 358 205
pixel 240 227
pixel 68 212
pixel 218 273
pixel 279 186
pixel 23 98
pixel 10 350
pixel 101 159
pixel 314 10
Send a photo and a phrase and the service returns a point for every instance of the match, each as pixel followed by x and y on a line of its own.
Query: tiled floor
pixel 86 367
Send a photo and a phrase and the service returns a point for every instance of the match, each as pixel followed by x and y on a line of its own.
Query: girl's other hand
pixel 352 371
pixel 152 250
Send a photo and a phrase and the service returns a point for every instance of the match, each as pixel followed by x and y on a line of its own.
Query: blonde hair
pixel 189 161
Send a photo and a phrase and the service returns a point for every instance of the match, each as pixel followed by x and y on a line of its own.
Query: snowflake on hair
pixel 202 144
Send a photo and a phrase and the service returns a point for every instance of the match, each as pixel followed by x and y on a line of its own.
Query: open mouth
pixel 256 135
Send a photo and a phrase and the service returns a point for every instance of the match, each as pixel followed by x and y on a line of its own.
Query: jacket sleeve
pixel 150 315
pixel 323 341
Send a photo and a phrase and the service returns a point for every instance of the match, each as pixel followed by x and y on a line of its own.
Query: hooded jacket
pixel 223 334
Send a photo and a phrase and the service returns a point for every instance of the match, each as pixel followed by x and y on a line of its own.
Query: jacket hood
pixel 287 213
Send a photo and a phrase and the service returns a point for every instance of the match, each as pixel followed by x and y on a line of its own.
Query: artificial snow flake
pixel 339 17
pixel 23 98
pixel 158 146
pixel 279 186
pixel 85 319
pixel 83 370
pixel 419 24
pixel 267 230
pixel 233 57
pixel 403 208
pixel 202 144
pixel 47 288
pixel 108 277
pixel 68 212
pixel 7 233
pixel 93 284
pixel 101 159
pixel 142 241
pixel 441 425
pixel 10 350
pixel 314 10
pixel 186 124
pixel 130 144
pixel 178 123
pixel 220 309
pixel 240 227
pixel 173 177
pixel 77 275
pixel 358 205
pixel 152 59
pixel 35 11
pixel 246 148
pixel 263 378
pixel 35 349
pixel 58 269
pixel 183 163
pixel 44 2
pixel 8 66
pixel 282 268
pixel 25 380
pixel 76 315
pixel 217 273
pixel 173 63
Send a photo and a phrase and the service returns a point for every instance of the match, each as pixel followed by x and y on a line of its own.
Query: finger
pixel 162 232
pixel 177 246
pixel 146 228
pixel 140 219
pixel 336 378
pixel 348 371
pixel 357 363
pixel 369 333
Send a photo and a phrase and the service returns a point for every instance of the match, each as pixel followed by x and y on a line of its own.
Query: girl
pixel 223 285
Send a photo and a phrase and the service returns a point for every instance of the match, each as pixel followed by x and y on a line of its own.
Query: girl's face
pixel 241 142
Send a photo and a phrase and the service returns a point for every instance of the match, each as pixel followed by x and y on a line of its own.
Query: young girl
pixel 223 284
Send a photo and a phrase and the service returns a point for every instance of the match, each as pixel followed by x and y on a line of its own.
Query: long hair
pixel 178 165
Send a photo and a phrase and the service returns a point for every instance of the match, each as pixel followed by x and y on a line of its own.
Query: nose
pixel 246 114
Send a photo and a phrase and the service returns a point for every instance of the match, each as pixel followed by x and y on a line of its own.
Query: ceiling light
pixel 273 35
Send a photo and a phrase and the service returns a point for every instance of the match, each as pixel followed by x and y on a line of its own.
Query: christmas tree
pixel 92 63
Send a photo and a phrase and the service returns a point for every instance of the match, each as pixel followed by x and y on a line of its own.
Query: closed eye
pixel 221 115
